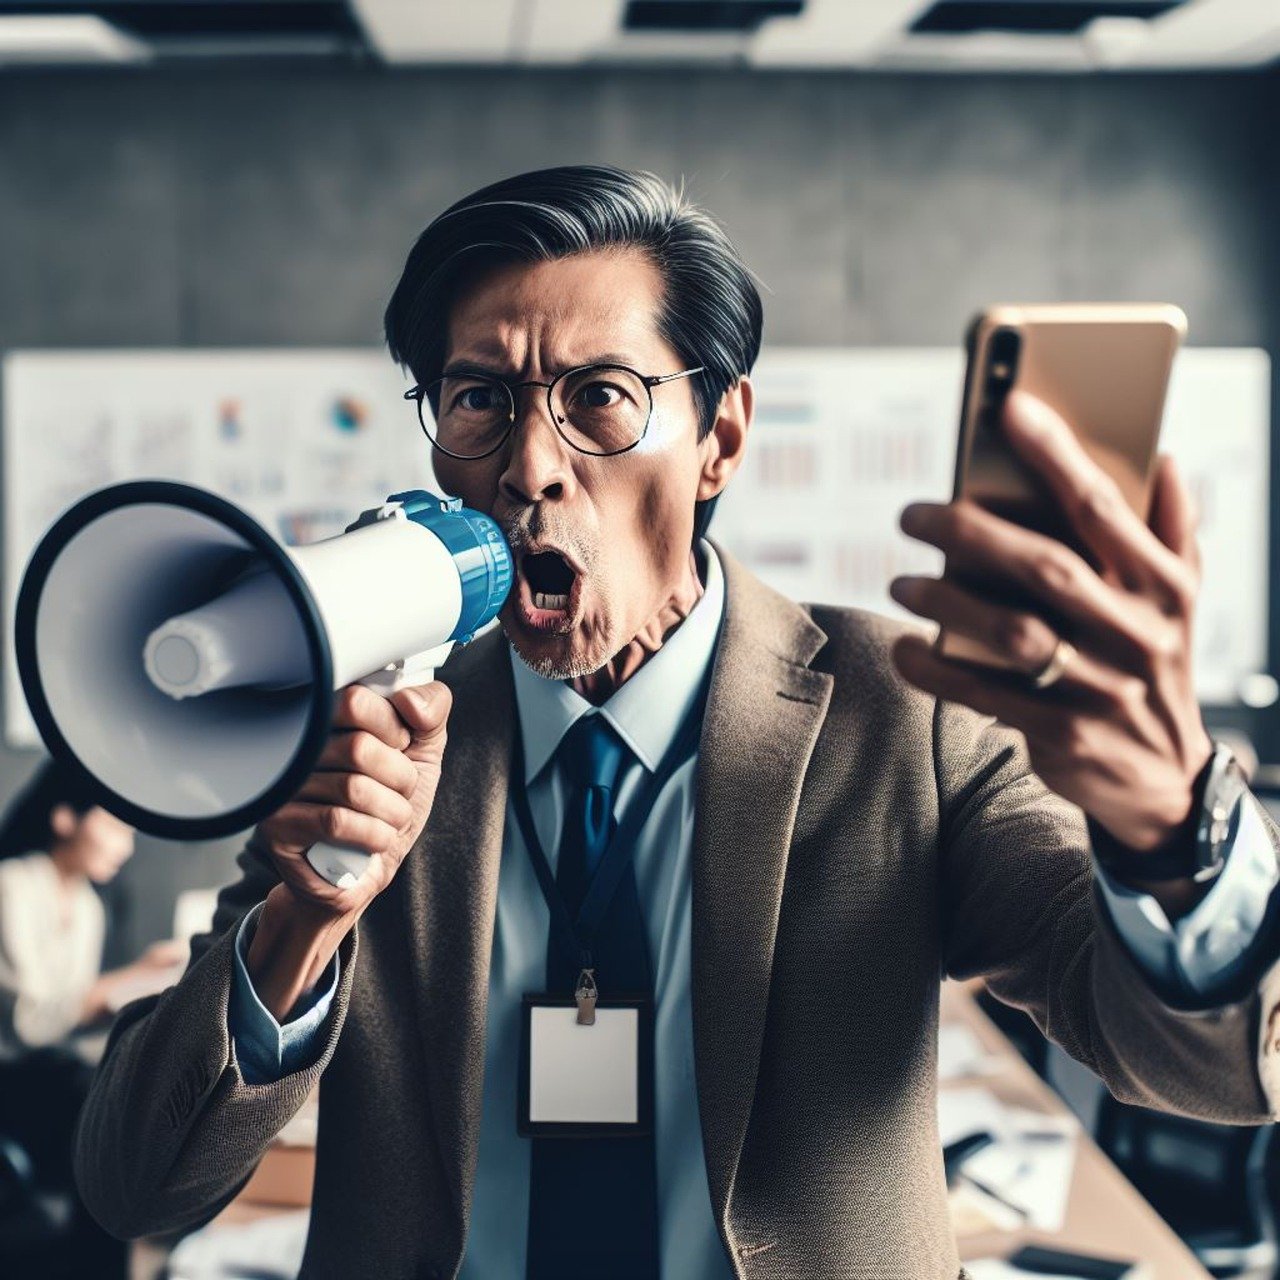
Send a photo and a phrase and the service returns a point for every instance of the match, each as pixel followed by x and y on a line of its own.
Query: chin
pixel 555 657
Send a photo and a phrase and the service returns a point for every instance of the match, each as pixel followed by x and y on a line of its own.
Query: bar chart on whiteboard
pixel 844 439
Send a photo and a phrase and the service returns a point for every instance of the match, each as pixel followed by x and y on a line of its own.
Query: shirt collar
pixel 648 709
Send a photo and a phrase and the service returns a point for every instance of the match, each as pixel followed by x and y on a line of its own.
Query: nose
pixel 539 467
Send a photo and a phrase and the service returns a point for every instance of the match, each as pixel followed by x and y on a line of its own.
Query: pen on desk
pixel 988 1190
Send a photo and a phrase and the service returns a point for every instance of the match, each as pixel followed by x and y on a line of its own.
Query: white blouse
pixel 51 938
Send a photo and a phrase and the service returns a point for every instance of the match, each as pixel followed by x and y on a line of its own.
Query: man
pixel 791 876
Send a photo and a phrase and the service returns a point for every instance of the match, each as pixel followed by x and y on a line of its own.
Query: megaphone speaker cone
pixel 113 569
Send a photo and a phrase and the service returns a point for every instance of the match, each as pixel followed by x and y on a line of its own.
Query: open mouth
pixel 549 590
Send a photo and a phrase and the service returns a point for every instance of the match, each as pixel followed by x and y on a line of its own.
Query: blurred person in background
pixel 57 849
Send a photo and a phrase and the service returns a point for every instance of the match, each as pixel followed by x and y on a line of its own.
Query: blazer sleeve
pixel 171 1129
pixel 1021 909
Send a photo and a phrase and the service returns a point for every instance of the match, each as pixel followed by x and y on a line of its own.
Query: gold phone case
pixel 1105 368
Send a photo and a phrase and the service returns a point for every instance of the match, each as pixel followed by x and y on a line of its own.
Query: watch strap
pixel 1197 851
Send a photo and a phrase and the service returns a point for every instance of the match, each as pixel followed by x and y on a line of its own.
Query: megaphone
pixel 181 658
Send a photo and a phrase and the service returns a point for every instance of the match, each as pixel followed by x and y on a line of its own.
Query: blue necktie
pixel 593 1202
pixel 590 758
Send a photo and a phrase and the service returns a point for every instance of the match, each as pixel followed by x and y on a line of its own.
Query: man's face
pixel 608 536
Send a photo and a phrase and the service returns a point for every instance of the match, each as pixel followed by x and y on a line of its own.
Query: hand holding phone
pixel 1072 571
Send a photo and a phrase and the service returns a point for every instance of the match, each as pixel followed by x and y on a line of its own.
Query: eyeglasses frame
pixel 418 393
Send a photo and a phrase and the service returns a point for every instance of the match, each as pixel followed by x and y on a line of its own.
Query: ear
pixel 726 442
pixel 62 821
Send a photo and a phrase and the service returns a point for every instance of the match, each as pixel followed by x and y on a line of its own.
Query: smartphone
pixel 1105 368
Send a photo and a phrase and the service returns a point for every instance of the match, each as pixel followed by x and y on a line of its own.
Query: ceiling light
pixel 65 38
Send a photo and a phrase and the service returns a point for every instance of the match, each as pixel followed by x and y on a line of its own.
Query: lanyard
pixel 576 936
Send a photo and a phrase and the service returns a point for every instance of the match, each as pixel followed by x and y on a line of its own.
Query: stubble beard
pixel 557 668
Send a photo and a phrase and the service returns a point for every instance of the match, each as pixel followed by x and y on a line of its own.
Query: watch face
pixel 1225 785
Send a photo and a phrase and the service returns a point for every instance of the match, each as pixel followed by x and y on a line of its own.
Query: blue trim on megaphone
pixel 321 693
pixel 479 551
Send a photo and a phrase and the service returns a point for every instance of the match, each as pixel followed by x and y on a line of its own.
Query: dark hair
pixel 25 827
pixel 711 312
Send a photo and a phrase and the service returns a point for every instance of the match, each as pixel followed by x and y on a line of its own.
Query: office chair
pixel 1214 1184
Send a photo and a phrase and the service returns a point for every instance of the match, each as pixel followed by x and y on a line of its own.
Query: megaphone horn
pixel 185 661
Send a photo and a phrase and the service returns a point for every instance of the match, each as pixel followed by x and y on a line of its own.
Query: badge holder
pixel 585 1076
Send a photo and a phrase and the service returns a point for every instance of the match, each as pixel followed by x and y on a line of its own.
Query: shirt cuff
pixel 1205 950
pixel 266 1049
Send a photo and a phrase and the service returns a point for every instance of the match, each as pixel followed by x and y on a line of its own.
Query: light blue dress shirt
pixel 1197 951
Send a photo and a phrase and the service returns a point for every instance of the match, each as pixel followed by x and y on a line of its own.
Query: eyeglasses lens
pixel 602 409
pixel 467 416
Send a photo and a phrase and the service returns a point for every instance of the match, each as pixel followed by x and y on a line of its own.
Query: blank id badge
pixel 585 1081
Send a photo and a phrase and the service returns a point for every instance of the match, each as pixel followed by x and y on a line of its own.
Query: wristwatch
pixel 1199 849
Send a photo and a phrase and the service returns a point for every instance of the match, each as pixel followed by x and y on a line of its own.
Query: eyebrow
pixel 477 368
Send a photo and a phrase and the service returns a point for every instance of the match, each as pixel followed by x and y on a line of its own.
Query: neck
pixel 68 876
pixel 597 687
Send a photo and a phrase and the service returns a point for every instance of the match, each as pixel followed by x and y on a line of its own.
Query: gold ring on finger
pixel 1052 670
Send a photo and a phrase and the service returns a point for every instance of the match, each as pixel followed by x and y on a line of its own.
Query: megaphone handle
pixel 340 865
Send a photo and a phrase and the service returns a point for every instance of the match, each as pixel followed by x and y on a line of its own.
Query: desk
pixel 1105 1214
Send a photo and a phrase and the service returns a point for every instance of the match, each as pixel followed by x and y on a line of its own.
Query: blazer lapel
pixel 764 712
pixel 451 899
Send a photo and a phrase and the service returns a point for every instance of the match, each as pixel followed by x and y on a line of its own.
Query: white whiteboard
pixel 304 439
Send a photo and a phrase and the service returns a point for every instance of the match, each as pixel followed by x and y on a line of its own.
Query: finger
pixel 304 824
pixel 359 751
pixel 1088 683
pixel 986 693
pixel 982 545
pixel 356 707
pixel 1091 499
pixel 359 793
pixel 1173 512
pixel 425 710
pixel 1027 641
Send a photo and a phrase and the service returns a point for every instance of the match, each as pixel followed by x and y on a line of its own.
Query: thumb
pixel 425 711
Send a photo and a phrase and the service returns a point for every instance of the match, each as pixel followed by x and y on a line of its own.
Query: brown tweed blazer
pixel 854 842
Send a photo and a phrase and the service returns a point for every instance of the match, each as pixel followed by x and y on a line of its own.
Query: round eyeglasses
pixel 599 409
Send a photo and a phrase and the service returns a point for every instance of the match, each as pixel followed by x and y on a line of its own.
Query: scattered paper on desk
pixel 1029 1165
pixel 268 1249
pixel 960 1054
pixel 1031 1173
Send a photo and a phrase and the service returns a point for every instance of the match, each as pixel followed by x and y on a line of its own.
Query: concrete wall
pixel 275 206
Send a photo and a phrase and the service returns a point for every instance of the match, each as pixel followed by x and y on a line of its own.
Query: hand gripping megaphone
pixel 185 661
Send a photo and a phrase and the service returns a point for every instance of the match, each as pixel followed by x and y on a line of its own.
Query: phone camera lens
pixel 1002 369
pixel 1002 366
